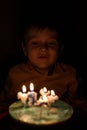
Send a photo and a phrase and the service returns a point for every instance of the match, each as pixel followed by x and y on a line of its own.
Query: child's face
pixel 42 48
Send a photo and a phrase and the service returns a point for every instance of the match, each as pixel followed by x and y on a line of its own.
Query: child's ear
pixel 24 49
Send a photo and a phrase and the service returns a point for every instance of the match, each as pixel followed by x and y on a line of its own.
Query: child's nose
pixel 43 47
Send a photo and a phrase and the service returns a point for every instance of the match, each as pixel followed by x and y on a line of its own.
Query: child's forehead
pixel 39 32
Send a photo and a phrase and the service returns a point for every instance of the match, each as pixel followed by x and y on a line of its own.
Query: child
pixel 42 46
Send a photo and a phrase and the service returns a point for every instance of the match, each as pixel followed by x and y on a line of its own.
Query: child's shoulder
pixel 17 68
pixel 66 67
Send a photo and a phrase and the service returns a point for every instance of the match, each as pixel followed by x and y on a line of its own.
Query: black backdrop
pixel 15 15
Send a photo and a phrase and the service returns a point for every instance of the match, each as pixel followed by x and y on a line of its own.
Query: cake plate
pixel 58 112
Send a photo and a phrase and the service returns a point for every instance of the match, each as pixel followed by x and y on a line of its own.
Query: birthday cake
pixel 48 109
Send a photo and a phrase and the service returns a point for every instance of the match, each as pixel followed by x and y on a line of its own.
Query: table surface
pixel 59 112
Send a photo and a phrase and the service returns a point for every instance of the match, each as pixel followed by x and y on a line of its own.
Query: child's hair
pixel 40 27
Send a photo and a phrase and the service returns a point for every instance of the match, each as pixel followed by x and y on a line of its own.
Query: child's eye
pixel 34 43
pixel 52 44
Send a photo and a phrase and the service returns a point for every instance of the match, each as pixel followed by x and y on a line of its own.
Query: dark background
pixel 70 16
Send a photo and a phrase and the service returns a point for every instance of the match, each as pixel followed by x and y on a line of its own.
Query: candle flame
pixel 52 93
pixel 31 86
pixel 23 88
pixel 45 89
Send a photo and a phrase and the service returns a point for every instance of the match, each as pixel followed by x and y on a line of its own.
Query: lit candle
pixel 45 98
pixel 44 91
pixel 43 101
pixel 52 97
pixel 32 95
pixel 22 95
pixel 19 95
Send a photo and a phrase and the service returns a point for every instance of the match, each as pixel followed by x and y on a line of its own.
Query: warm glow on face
pixel 52 93
pixel 45 89
pixel 23 88
pixel 31 86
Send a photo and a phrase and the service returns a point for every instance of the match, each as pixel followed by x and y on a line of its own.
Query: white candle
pixel 22 95
pixel 44 91
pixel 32 95
pixel 52 97
pixel 45 98
pixel 55 97
pixel 19 95
pixel 42 101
